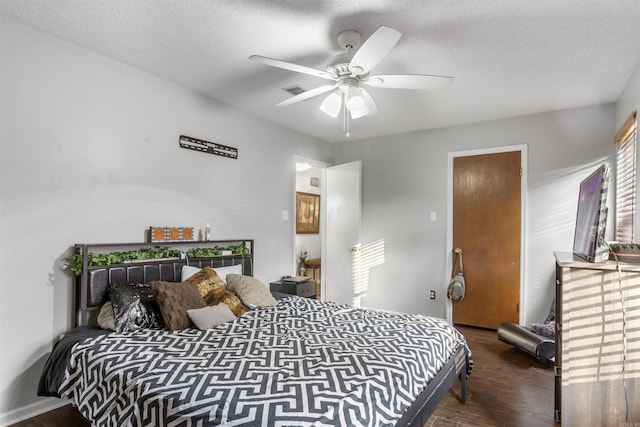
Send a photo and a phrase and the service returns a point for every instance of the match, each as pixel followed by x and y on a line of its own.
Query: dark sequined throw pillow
pixel 135 307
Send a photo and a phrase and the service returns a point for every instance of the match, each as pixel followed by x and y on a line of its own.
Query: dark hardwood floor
pixel 66 416
pixel 506 388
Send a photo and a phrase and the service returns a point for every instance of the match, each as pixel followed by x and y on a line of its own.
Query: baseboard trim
pixel 31 410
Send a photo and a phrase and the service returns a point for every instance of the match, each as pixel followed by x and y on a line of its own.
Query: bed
pixel 300 362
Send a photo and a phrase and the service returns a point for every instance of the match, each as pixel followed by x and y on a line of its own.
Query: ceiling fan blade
pixel 373 50
pixel 408 81
pixel 293 67
pixel 369 108
pixel 369 102
pixel 307 95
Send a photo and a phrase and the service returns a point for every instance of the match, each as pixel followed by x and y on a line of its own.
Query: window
pixel 626 177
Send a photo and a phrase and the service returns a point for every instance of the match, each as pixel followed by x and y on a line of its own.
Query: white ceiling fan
pixel 350 70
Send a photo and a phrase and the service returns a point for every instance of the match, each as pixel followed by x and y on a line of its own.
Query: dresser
pixel 306 289
pixel 590 344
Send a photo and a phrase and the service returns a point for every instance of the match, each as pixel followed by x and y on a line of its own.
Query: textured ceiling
pixel 508 57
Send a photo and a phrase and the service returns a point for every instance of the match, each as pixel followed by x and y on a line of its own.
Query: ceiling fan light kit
pixel 354 100
pixel 331 104
pixel 361 112
pixel 349 70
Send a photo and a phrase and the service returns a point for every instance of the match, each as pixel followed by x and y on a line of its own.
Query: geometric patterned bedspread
pixel 302 363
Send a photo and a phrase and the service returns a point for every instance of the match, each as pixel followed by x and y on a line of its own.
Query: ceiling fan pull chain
pixel 345 118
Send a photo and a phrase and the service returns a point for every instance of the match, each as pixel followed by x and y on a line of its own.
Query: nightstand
pixel 306 289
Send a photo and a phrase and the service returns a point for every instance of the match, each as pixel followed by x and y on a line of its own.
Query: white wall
pixel 89 154
pixel 405 178
pixel 630 98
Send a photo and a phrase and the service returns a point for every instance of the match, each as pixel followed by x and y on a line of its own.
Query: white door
pixel 342 231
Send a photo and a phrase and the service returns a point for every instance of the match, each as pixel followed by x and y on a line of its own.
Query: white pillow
pixel 208 317
pixel 224 271
pixel 188 271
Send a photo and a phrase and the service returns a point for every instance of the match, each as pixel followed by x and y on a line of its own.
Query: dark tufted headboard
pixel 94 281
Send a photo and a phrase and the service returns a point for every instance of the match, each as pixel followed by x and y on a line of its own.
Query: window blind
pixel 626 177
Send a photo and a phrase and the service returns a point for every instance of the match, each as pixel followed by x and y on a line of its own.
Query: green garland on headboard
pixel 74 262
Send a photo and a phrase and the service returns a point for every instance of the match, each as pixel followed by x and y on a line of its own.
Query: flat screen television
pixel 591 217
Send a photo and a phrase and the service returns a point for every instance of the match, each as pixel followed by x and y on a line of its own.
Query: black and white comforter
pixel 303 362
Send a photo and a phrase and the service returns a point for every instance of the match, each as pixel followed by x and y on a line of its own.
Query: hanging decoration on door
pixel 455 290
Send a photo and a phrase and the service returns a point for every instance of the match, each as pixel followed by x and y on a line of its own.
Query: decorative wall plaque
pixel 171 234
pixel 208 147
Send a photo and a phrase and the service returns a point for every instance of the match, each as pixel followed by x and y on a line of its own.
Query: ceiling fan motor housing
pixel 339 64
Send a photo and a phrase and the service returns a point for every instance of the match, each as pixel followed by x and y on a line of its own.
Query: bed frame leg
pixel 463 384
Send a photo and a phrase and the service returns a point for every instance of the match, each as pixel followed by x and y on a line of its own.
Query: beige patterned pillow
pixel 210 286
pixel 174 299
pixel 106 319
pixel 251 291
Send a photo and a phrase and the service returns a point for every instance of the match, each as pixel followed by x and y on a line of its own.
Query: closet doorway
pixel 330 252
pixel 308 244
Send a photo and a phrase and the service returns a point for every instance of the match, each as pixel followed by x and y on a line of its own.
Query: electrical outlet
pixel 432 294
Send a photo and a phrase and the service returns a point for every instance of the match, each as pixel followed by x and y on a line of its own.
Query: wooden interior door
pixel 486 226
